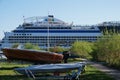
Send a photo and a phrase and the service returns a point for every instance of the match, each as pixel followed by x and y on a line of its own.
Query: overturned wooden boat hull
pixel 32 55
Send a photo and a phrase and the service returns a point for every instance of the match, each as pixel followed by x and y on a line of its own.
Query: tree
pixel 57 49
pixel 15 45
pixel 31 46
pixel 28 46
pixel 108 49
pixel 82 49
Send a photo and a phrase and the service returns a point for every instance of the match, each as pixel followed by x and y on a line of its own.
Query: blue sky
pixel 79 11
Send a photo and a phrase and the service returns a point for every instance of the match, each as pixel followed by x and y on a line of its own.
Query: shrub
pixel 108 49
pixel 57 49
pixel 15 45
pixel 31 46
pixel 82 49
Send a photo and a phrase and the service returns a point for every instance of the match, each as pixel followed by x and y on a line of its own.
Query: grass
pixel 92 73
pixel 7 72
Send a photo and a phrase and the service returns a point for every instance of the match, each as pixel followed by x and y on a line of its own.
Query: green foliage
pixel 28 46
pixel 7 71
pixel 57 49
pixel 15 45
pixel 31 46
pixel 36 47
pixel 108 49
pixel 82 48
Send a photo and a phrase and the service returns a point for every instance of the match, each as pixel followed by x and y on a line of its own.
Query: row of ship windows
pixel 68 41
pixel 22 34
pixel 54 39
pixel 43 37
pixel 47 27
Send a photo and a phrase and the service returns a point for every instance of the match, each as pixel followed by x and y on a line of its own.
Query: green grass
pixel 92 73
pixel 7 72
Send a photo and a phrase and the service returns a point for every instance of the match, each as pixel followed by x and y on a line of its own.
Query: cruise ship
pixel 111 26
pixel 49 31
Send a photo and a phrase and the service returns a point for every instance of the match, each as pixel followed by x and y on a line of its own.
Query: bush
pixel 82 49
pixel 15 45
pixel 57 49
pixel 108 49
pixel 31 46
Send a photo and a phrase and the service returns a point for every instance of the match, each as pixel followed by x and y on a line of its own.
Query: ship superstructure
pixel 49 32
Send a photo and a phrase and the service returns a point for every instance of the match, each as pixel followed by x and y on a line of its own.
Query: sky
pixel 80 12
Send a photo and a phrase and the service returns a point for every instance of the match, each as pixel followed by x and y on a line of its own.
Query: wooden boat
pixel 32 55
